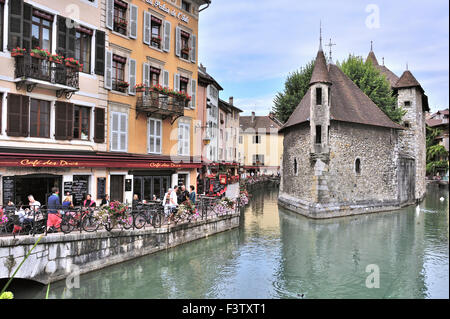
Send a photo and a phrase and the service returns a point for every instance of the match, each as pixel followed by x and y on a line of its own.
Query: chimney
pixel 253 117
pixel 230 100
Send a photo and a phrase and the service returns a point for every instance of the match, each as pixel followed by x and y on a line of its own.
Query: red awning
pixel 109 161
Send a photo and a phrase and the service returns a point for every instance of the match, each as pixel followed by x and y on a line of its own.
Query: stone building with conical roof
pixel 343 155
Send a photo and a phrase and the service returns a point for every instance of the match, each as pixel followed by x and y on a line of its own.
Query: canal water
pixel 279 254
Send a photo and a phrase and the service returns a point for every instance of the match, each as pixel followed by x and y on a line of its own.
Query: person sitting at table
pixel 88 202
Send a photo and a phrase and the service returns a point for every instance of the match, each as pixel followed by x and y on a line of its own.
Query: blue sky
pixel 250 46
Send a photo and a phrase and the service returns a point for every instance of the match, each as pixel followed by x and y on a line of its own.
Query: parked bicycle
pixel 150 215
pixel 83 218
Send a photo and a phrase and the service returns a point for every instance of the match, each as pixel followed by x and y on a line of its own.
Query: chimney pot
pixel 253 117
pixel 230 100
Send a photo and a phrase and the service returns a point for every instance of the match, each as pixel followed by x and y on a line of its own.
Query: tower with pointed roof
pixel 411 97
pixel 342 155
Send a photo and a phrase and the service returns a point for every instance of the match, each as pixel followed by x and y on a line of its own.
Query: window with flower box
pixel 183 84
pixel 41 30
pixel 83 39
pixel 156 32
pixel 118 74
pixel 120 17
pixel 154 76
pixel 81 122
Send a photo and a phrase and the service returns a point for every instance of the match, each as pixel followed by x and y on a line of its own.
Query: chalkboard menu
pixel 79 191
pixel 67 188
pixel 128 185
pixel 101 187
pixel 8 189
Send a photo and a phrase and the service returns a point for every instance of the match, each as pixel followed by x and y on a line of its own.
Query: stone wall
pixel 412 139
pixel 296 146
pixel 58 256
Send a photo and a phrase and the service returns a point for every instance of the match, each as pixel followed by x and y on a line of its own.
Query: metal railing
pixel 32 221
pixel 27 66
pixel 153 101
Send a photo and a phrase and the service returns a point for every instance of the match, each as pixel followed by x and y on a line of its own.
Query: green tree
pixel 295 87
pixel 437 155
pixel 363 74
pixel 373 84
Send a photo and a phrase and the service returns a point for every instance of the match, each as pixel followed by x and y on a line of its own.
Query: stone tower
pixel 320 88
pixel 411 97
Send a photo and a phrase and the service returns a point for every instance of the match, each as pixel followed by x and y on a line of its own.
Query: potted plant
pixel 122 84
pixel 140 87
pixel 156 38
pixel 56 58
pixel 122 23
pixel 39 53
pixel 72 63
pixel 18 51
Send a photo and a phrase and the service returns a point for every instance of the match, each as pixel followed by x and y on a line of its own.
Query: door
pixel 147 186
pixel 116 188
pixel 407 178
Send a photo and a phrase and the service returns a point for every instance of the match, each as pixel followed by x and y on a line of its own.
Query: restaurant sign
pixel 163 7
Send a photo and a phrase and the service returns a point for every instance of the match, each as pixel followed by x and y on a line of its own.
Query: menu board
pixel 79 191
pixel 101 187
pixel 128 185
pixel 8 189
pixel 68 188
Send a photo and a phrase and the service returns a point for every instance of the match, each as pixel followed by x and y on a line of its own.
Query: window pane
pixel 158 128
pixel 152 145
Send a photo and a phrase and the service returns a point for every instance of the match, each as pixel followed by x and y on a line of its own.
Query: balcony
pixel 153 102
pixel 31 72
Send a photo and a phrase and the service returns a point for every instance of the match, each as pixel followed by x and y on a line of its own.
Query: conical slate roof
pixel 348 104
pixel 371 57
pixel 407 80
pixel 320 71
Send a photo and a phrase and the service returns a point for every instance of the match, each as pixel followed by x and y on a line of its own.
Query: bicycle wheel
pixel 67 223
pixel 139 220
pixel 89 223
pixel 156 220
pixel 127 221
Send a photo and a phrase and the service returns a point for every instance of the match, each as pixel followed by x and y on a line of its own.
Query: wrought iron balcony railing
pixel 149 101
pixel 28 68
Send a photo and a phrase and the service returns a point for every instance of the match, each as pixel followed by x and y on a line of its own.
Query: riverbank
pixel 58 256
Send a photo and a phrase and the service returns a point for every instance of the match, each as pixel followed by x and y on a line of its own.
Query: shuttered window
pixel 18 115
pixel 193 93
pixel 176 82
pixel 99 52
pixel 165 78
pixel 146 26
pixel 154 135
pixel 108 69
pixel 133 21
pixel 194 48
pixel 132 76
pixel 99 125
pixel 110 14
pixel 65 45
pixel 183 139
pixel 63 120
pixel 146 74
pixel 39 118
pixel 177 41
pixel 167 32
pixel 119 134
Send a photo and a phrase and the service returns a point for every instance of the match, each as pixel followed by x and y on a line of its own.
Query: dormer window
pixel 318 96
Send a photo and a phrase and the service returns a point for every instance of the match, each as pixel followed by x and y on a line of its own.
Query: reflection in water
pixel 279 254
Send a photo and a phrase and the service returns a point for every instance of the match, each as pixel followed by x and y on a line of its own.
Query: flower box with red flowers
pixel 123 84
pixel 156 39
pixel 71 62
pixel 18 51
pixel 39 53
pixel 140 87
pixel 122 23
pixel 56 58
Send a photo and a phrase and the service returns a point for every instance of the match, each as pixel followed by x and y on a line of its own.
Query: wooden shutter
pixel 147 27
pixel 123 132
pixel 14 108
pixel 99 125
pixel 146 74
pixel 99 52
pixel 114 131
pixel 61 36
pixel 15 24
pixel 110 14
pixel 63 120
pixel 165 79
pixel 133 21
pixel 176 82
pixel 26 28
pixel 194 48
pixel 193 93
pixel 132 76
pixel 108 70
pixel 70 44
pixel 167 30
pixel 177 41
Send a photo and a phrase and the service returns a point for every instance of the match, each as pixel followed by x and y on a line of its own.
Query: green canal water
pixel 279 254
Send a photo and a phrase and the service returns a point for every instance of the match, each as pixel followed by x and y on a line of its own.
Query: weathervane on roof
pixel 383 61
pixel 320 39
pixel 371 45
pixel 330 45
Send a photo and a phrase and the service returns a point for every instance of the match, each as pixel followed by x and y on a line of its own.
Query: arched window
pixel 295 166
pixel 358 166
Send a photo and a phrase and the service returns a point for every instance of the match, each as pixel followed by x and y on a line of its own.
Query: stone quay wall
pixel 58 256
